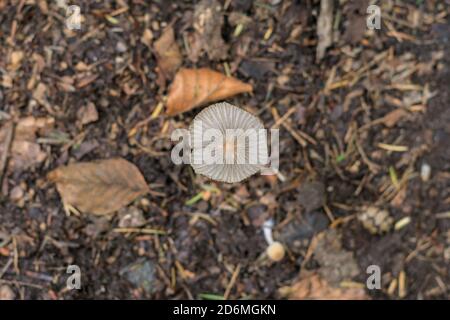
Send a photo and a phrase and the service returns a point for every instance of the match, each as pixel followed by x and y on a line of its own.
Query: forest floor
pixel 364 151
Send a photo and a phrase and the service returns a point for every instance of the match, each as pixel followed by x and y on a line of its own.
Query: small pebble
pixel 121 47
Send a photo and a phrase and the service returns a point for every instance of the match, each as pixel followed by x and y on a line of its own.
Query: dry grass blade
pixel 99 187
pixel 194 87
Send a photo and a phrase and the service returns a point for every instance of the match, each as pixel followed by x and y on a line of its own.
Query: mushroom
pixel 275 251
pixel 228 143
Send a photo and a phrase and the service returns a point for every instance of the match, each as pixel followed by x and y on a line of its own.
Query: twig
pixel 139 230
pixel 6 267
pixel 232 281
pixel 283 118
pixel 372 166
pixel 21 283
pixel 294 134
pixel 4 156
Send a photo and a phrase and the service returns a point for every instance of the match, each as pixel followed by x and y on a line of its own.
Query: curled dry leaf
pixel 194 87
pixel 168 55
pixel 99 187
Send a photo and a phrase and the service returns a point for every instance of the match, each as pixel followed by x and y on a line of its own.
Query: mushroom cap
pixel 275 251
pixel 222 117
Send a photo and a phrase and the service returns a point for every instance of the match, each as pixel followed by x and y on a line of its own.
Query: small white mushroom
pixel 236 148
pixel 275 251
pixel 425 172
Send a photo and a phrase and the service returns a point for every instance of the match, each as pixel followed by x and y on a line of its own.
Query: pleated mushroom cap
pixel 223 116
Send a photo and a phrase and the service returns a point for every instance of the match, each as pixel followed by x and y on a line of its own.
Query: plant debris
pixel 99 187
pixel 208 22
pixel 25 152
pixel 168 56
pixel 195 87
pixel 363 123
pixel 314 287
pixel 375 220
pixel 324 28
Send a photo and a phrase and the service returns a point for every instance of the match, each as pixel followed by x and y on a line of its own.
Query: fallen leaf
pixel 25 152
pixel 147 37
pixel 15 60
pixel 40 95
pixel 324 28
pixel 168 55
pixel 314 287
pixel 356 13
pixel 208 22
pixel 7 81
pixel 99 187
pixel 194 49
pixel 79 151
pixel 194 87
pixel 87 114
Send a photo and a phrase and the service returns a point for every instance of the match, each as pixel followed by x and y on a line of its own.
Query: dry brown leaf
pixel 168 55
pixel 25 152
pixel 40 94
pixel 356 11
pixel 99 187
pixel 208 22
pixel 313 287
pixel 194 87
pixel 15 60
pixel 147 37
pixel 87 114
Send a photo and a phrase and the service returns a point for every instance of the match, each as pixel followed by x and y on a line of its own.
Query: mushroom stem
pixel 267 229
pixel 275 251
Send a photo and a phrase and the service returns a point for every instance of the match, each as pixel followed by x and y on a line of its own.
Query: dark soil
pixel 327 183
